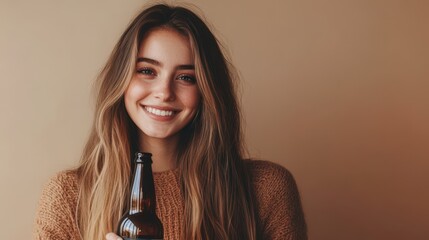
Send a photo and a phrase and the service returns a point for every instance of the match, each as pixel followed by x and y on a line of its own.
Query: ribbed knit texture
pixel 278 204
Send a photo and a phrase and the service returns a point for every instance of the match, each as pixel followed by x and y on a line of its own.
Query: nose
pixel 164 90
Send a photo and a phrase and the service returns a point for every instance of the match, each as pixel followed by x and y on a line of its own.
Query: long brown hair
pixel 214 181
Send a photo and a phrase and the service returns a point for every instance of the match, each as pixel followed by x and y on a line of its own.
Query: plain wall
pixel 336 91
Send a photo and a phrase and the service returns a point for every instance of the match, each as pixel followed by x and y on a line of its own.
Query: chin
pixel 158 135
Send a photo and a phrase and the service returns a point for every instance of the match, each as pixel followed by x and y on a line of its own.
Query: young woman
pixel 168 89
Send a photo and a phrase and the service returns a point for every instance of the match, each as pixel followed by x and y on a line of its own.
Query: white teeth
pixel 159 112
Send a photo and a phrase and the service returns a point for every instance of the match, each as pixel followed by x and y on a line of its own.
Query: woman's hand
pixel 112 236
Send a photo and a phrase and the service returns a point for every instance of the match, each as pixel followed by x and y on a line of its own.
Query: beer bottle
pixel 140 221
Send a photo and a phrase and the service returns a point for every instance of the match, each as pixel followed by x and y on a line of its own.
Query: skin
pixel 164 80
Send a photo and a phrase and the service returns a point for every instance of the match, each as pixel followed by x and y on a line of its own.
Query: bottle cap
pixel 143 157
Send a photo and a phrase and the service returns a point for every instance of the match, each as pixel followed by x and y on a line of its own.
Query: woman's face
pixel 163 96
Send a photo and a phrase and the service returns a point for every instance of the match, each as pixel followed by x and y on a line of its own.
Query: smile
pixel 159 112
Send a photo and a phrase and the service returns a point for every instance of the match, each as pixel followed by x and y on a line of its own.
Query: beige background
pixel 336 91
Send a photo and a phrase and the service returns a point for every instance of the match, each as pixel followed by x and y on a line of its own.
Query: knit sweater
pixel 278 207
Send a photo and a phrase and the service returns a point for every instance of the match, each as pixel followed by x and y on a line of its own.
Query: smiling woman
pixel 167 89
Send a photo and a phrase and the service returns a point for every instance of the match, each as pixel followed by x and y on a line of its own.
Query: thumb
pixel 112 236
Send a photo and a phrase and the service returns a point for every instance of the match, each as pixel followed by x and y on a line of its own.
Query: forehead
pixel 165 44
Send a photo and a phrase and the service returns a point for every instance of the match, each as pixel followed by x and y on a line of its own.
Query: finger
pixel 112 236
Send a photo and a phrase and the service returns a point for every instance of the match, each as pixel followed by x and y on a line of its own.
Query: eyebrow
pixel 157 63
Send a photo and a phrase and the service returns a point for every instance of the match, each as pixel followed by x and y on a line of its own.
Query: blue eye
pixel 187 78
pixel 146 71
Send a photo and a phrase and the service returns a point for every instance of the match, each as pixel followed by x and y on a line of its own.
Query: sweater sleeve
pixel 279 205
pixel 56 210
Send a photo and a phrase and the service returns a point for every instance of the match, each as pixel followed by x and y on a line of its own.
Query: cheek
pixel 131 97
pixel 192 99
pixel 133 92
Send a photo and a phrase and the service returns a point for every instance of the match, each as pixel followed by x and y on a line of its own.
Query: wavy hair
pixel 215 184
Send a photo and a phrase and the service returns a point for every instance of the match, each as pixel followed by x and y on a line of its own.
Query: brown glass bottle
pixel 140 222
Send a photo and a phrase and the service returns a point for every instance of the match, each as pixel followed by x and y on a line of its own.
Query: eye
pixel 146 71
pixel 187 78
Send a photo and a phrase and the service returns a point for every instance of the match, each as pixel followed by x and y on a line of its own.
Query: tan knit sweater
pixel 279 211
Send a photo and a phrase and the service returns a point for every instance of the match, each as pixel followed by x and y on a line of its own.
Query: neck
pixel 164 152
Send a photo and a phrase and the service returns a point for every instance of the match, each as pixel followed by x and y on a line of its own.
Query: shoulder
pixel 61 186
pixel 262 166
pixel 265 172
pixel 61 190
pixel 277 201
pixel 63 180
pixel 271 181
pixel 57 205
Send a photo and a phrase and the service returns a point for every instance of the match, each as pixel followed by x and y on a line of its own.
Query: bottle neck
pixel 143 189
